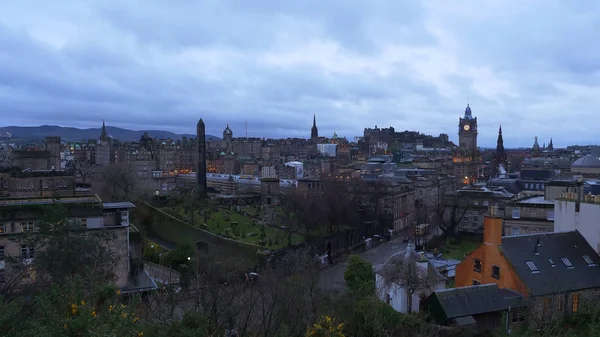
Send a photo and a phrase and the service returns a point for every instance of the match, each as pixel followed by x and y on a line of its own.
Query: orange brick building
pixel 487 264
pixel 555 271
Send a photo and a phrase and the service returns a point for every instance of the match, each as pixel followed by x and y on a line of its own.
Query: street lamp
pixel 189 258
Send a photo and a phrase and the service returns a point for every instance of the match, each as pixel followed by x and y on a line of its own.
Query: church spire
pixel 103 135
pixel 500 157
pixel 550 145
pixel 314 132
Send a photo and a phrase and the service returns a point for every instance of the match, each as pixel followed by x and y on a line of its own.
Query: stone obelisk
pixel 201 165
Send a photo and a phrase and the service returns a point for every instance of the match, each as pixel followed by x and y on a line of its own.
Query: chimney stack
pixel 492 227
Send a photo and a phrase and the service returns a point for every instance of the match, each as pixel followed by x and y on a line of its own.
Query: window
pixel 550 215
pixel 515 231
pixel 496 272
pixel 475 219
pixel 27 252
pixel 2 228
pixel 552 262
pixel 1 253
pixel 2 276
pixel 567 262
pixel 560 303
pixel 83 222
pixel 588 260
pixel 516 213
pixel 27 226
pixel 575 303
pixel 477 265
pixel 476 283
pixel 518 315
pixel 388 299
pixel 546 306
pixel 532 266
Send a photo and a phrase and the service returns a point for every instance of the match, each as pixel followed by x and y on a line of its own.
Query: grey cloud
pixel 122 62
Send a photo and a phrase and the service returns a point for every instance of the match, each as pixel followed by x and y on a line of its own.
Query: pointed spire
pixel 500 130
pixel 314 132
pixel 103 135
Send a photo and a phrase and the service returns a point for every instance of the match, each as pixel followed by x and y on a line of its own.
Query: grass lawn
pixel 243 228
pixel 457 249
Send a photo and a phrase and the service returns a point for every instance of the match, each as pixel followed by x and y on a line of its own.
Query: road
pixel 332 278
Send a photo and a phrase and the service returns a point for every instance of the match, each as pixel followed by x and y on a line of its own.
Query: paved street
pixel 332 278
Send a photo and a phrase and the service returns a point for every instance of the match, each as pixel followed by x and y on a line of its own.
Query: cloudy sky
pixel 532 66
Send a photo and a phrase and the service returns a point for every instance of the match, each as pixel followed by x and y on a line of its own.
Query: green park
pixel 258 225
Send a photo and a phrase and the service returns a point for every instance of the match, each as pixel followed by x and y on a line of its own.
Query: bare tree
pixel 410 273
pixel 118 182
pixel 451 212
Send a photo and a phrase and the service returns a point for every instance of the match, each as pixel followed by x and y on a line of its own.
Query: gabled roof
pixel 550 274
pixel 473 300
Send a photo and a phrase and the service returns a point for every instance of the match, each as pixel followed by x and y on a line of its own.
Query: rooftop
pixel 550 263
pixel 32 201
pixel 115 205
pixel 538 199
pixel 478 299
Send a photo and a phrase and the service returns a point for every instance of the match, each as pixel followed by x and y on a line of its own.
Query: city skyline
pixel 353 64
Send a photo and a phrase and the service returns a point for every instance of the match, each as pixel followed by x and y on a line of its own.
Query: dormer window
pixel 566 262
pixel 588 260
pixel 552 262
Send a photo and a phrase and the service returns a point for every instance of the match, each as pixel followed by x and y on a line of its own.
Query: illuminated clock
pixel 466 127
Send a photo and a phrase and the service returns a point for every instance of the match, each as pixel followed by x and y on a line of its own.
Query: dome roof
pixel 587 161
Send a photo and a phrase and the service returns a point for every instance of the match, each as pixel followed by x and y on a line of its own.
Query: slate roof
pixel 473 300
pixel 549 278
pixel 587 161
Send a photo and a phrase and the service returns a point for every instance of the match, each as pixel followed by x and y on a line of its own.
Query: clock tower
pixel 466 158
pixel 467 133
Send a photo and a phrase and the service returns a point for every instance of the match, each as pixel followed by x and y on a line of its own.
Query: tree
pixel 359 277
pixel 451 212
pixel 65 250
pixel 326 327
pixel 119 182
pixel 404 272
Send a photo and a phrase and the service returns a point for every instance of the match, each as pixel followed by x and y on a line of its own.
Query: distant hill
pixel 75 134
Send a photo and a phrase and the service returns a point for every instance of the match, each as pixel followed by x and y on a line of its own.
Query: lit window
pixel 575 303
pixel 588 260
pixel 532 266
pixel 560 303
pixel 2 228
pixel 567 262
pixel 516 213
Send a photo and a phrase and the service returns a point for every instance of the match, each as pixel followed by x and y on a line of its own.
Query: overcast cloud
pixel 532 66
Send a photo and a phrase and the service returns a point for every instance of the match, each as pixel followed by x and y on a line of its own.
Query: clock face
pixel 466 127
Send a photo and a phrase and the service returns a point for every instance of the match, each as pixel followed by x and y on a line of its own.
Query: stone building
pixel 22 215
